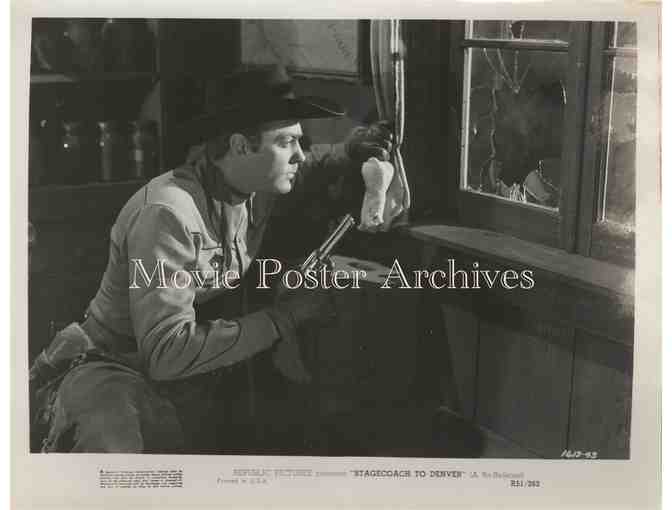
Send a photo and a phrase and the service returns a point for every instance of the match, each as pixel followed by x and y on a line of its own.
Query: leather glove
pixel 302 307
pixel 365 142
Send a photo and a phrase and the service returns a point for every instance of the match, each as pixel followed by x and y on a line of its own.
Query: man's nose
pixel 298 156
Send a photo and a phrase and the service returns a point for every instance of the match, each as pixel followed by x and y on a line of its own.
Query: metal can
pixel 46 148
pixel 77 152
pixel 37 155
pixel 144 149
pixel 114 150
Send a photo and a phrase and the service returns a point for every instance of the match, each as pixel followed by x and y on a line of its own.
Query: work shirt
pixel 172 227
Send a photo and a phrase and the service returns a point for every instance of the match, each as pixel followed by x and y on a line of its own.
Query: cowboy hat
pixel 251 97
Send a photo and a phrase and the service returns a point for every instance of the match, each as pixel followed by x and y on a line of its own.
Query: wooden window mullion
pixel 574 125
pixel 592 141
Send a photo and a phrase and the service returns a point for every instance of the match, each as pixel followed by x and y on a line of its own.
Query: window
pixel 607 224
pixel 548 133
pixel 513 105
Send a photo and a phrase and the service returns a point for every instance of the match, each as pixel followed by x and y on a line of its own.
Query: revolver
pixel 319 257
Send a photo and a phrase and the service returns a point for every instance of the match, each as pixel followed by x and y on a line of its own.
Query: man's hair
pixel 218 146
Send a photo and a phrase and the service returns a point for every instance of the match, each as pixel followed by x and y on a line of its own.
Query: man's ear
pixel 238 144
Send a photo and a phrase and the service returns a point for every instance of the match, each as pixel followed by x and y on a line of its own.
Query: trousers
pixel 106 407
pixel 88 400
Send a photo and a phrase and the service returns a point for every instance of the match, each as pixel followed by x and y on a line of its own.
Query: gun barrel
pixel 325 248
pixel 309 262
pixel 340 231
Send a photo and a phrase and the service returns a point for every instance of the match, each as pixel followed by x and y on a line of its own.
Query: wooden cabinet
pixel 522 380
pixel 601 397
pixel 187 58
pixel 76 99
pixel 73 82
pixel 549 368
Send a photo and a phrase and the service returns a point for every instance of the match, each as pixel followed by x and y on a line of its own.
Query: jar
pixel 37 155
pixel 114 150
pixel 128 45
pixel 144 151
pixel 45 164
pixel 77 153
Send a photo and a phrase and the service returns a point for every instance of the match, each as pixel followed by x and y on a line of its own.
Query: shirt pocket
pixel 210 263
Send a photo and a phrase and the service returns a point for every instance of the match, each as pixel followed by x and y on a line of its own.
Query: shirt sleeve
pixel 172 345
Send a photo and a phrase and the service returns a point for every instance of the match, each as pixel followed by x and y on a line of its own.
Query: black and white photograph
pixel 371 238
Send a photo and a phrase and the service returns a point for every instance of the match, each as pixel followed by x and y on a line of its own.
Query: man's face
pixel 272 168
pixel 281 146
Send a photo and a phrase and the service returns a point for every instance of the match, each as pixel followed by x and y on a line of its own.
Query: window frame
pixel 602 240
pixel 574 226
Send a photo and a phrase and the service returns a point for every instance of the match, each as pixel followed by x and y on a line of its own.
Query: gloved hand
pixel 293 310
pixel 301 307
pixel 365 142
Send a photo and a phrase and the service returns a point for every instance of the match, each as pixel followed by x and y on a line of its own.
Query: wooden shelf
pixel 96 200
pixel 49 78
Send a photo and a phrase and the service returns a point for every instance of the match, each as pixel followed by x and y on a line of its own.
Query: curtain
pixel 387 68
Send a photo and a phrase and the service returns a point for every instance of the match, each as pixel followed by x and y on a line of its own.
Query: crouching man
pixel 134 374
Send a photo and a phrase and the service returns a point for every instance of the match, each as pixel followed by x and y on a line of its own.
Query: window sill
pixel 569 290
pixel 483 211
pixel 555 264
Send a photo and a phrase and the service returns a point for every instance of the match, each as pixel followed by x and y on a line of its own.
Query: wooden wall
pixel 534 374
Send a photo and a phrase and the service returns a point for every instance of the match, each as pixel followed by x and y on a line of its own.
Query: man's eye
pixel 285 142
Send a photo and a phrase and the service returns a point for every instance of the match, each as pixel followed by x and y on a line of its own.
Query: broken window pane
pixel 514 113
